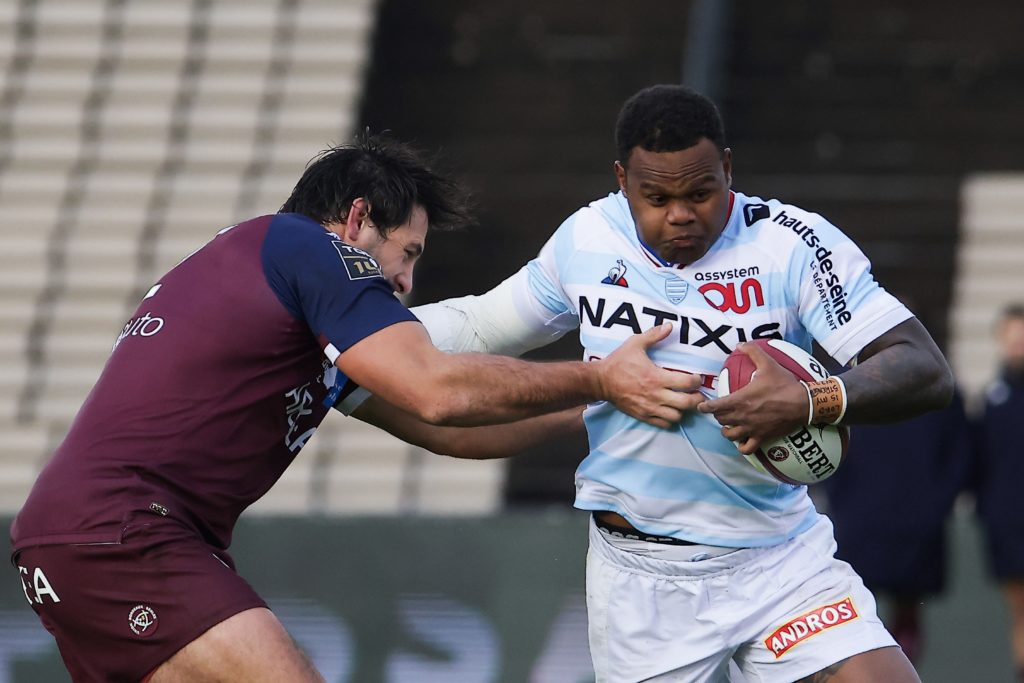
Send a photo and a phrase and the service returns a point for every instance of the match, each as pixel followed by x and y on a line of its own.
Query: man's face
pixel 679 200
pixel 1011 342
pixel 397 254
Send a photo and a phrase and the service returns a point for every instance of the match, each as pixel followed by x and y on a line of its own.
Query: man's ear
pixel 357 213
pixel 620 175
pixel 727 166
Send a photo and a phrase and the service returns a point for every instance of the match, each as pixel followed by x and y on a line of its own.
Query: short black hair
pixel 667 118
pixel 392 176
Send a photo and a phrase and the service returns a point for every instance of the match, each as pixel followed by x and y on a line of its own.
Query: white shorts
pixel 779 613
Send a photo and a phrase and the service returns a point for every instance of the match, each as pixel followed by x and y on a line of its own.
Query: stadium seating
pixel 989 271
pixel 131 132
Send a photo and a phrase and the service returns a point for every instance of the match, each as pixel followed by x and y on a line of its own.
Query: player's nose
pixel 402 283
pixel 679 212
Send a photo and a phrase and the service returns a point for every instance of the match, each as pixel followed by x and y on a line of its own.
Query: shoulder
pixel 596 220
pixel 296 246
pixel 295 229
pixel 295 236
pixel 790 231
pixel 590 228
pixel 777 220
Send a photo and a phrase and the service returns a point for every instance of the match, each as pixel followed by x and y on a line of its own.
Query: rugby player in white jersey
pixel 697 559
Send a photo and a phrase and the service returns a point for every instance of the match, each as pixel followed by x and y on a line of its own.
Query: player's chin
pixel 692 251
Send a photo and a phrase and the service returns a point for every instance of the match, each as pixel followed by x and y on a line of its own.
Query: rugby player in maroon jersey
pixel 222 374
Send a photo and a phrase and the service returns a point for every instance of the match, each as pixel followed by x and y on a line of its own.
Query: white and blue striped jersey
pixel 776 271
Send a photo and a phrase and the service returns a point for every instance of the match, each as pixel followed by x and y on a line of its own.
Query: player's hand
pixel 643 390
pixel 772 405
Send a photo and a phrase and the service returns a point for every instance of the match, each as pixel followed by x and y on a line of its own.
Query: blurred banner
pixel 476 600
pixel 399 600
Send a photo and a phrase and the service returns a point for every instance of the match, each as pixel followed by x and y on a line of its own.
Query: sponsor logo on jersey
pixel 692 330
pixel 830 289
pixel 808 625
pixel 143 326
pixel 731 274
pixel 617 275
pixel 300 402
pixel 142 620
pixel 752 213
pixel 358 264
pixel 38 587
pixel 727 297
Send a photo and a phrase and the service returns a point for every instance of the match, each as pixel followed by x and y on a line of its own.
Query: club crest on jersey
pixel 676 288
pixel 617 275
pixel 142 621
pixel 358 264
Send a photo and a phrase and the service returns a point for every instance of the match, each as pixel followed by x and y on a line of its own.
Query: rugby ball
pixel 807 456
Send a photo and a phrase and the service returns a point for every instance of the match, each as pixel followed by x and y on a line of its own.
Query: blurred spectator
pixel 890 503
pixel 1001 474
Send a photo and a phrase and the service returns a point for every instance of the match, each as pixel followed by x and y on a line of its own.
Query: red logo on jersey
pixel 725 297
pixel 617 275
pixel 810 624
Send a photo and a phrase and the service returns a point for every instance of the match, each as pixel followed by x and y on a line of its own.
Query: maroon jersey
pixel 221 376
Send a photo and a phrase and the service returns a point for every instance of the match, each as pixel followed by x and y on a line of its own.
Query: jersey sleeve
pixel 839 302
pixel 336 289
pixel 526 311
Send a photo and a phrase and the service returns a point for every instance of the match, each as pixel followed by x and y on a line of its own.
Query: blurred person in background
pixel 697 560
pixel 1000 476
pixel 891 503
pixel 222 375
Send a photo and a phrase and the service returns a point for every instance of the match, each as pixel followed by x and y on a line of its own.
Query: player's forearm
pixel 903 374
pixel 475 389
pixel 495 441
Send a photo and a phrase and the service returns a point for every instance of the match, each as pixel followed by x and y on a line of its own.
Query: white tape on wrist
pixel 842 391
pixel 810 402
pixel 348 404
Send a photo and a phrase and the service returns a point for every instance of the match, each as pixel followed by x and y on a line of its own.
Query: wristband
pixel 810 403
pixel 842 390
pixel 829 400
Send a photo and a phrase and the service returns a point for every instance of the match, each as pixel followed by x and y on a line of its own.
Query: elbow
pixel 942 387
pixel 441 408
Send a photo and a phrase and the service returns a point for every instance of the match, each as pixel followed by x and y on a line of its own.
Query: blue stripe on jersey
pixel 565 241
pixel 543 291
pixel 670 483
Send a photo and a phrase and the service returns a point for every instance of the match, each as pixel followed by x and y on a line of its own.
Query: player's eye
pixel 656 199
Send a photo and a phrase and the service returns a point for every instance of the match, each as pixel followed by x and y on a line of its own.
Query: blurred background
pixel 132 130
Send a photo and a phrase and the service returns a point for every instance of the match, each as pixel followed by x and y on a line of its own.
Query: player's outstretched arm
pixel 402 366
pixel 478 443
